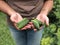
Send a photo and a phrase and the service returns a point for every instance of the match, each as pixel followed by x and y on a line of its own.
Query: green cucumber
pixel 22 23
pixel 36 24
pixel 40 23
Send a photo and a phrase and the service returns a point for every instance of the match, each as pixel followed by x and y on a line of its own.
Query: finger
pixel 15 26
pixel 41 27
pixel 28 26
pixel 11 18
pixel 30 23
pixel 47 22
pixel 35 30
pixel 32 26
pixel 24 28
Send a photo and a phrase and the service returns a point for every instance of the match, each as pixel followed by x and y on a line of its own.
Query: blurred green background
pixel 51 34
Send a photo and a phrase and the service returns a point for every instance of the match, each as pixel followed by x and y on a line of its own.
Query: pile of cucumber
pixel 25 21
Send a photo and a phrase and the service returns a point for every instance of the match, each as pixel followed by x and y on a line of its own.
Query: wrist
pixel 44 12
pixel 11 12
pixel 42 15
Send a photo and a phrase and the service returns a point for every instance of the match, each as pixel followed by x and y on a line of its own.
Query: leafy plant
pixel 51 35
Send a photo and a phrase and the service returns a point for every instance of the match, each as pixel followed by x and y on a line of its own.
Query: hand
pixel 16 17
pixel 43 19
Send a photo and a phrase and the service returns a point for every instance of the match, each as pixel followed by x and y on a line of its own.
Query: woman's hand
pixel 16 17
pixel 43 19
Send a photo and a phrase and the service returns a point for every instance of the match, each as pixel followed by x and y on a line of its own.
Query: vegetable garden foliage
pixel 51 34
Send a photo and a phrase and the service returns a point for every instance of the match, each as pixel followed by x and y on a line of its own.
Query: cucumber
pixel 22 23
pixel 36 24
pixel 40 23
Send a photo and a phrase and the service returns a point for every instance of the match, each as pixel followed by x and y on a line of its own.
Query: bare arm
pixel 47 7
pixel 6 8
pixel 14 16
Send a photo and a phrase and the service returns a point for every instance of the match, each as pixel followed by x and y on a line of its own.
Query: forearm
pixel 47 7
pixel 6 8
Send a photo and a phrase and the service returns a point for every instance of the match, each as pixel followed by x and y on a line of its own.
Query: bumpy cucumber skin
pixel 22 23
pixel 36 24
pixel 40 23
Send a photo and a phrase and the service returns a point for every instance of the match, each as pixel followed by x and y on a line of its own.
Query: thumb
pixel 47 21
